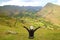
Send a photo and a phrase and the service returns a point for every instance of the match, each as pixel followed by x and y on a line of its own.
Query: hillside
pixel 12 10
pixel 51 12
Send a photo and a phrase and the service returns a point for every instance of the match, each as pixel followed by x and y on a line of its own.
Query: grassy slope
pixel 40 34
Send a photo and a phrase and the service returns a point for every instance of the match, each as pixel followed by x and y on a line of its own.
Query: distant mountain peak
pixel 51 4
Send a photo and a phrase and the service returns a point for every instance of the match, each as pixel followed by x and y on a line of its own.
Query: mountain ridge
pixel 17 10
pixel 51 13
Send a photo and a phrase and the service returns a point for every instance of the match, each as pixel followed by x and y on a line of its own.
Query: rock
pixel 11 32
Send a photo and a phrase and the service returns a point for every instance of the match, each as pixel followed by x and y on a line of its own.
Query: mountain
pixel 17 10
pixel 50 12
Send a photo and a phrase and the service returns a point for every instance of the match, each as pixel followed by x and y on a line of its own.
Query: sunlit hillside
pixel 51 12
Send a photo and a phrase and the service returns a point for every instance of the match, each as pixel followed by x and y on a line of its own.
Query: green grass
pixel 40 34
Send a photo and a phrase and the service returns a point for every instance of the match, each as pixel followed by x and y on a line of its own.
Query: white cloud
pixel 29 3
pixel 57 2
pixel 21 3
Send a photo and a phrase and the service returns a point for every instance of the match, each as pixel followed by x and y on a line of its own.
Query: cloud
pixel 29 2
pixel 20 3
pixel 57 2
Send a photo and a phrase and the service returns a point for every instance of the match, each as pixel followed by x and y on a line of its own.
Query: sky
pixel 28 2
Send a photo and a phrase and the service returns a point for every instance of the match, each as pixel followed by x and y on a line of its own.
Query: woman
pixel 31 31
